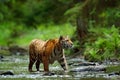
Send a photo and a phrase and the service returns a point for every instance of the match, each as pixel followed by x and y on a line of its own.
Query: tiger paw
pixel 37 71
pixel 66 71
pixel 48 74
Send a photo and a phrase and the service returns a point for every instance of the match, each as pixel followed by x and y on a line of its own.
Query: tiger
pixel 47 52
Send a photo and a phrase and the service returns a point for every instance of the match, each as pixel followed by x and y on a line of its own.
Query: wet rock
pixel 84 64
pixel 7 73
pixel 80 62
pixel 108 62
pixel 3 48
pixel 1 57
pixel 17 50
pixel 48 74
pixel 114 73
pixel 88 68
pixel 76 60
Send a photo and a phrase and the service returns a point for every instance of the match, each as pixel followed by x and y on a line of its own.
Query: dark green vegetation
pixel 113 69
pixel 105 44
pixel 94 79
pixel 95 32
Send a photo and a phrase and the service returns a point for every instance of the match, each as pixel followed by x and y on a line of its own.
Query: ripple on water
pixel 34 76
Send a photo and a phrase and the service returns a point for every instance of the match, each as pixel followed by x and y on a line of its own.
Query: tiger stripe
pixel 47 52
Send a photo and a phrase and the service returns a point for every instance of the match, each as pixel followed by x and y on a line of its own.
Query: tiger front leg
pixel 46 67
pixel 62 61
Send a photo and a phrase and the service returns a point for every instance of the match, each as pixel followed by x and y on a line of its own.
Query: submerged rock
pixel 1 57
pixel 114 73
pixel 7 73
pixel 84 64
pixel 17 50
pixel 81 62
pixel 88 68
pixel 49 74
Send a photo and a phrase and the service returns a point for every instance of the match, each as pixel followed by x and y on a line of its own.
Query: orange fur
pixel 47 52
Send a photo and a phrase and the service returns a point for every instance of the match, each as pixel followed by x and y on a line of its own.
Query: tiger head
pixel 65 42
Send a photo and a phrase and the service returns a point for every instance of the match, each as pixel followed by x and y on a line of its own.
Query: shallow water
pixel 19 66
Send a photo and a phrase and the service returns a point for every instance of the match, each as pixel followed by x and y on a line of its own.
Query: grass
pixel 46 32
pixel 92 78
pixel 115 68
pixel 22 35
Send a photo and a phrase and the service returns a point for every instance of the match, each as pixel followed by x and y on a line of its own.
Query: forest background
pixel 93 25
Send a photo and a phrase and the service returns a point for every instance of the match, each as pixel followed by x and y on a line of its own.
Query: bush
pixel 33 12
pixel 9 31
pixel 106 44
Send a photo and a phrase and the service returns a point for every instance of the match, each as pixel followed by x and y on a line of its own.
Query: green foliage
pixel 21 35
pixel 106 44
pixel 110 16
pixel 73 12
pixel 45 32
pixel 102 12
pixel 33 12
pixel 9 31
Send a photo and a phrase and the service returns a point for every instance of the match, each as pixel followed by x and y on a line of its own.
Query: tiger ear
pixel 61 37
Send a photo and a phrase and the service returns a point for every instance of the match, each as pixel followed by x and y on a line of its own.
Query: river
pixel 79 69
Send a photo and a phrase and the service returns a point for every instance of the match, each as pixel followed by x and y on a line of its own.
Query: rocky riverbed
pixel 17 67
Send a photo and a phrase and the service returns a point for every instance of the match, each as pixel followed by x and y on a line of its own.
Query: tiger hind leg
pixel 37 64
pixel 32 61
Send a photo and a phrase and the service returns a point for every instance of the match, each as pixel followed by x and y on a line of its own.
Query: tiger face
pixel 65 42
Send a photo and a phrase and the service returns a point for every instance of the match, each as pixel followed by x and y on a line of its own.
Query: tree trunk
pixel 81 30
